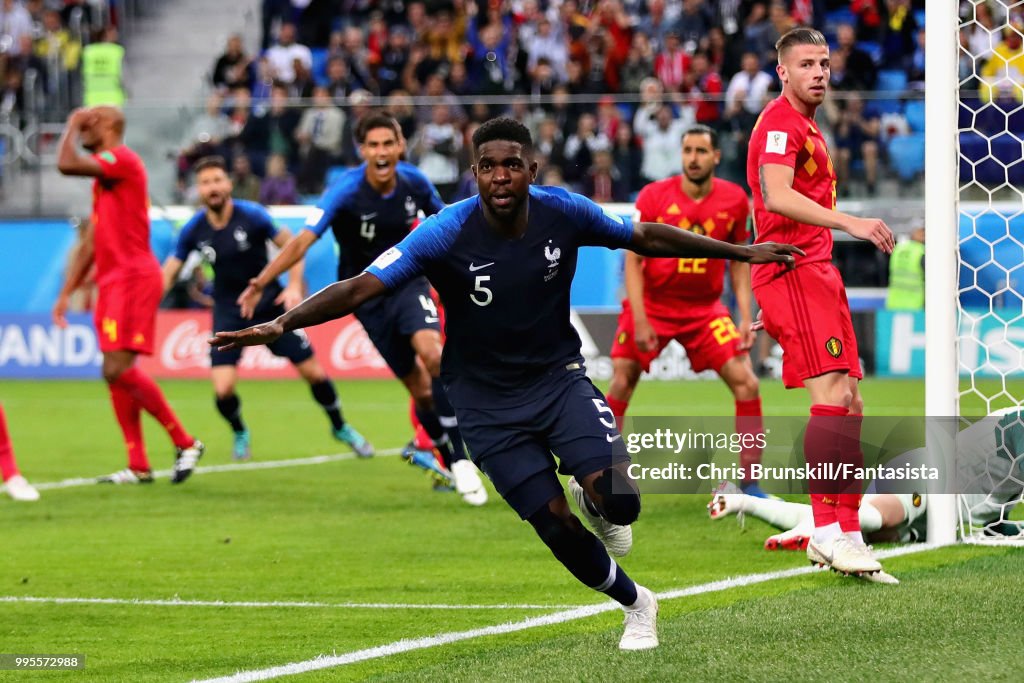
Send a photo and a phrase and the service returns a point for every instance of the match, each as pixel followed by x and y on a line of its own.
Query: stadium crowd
pixel 606 86
pixel 42 52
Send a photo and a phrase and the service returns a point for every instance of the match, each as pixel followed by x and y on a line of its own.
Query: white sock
pixel 779 513
pixel 643 599
pixel 824 534
pixel 856 536
pixel 870 518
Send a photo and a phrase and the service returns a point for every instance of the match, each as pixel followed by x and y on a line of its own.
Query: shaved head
pixel 102 128
pixel 111 116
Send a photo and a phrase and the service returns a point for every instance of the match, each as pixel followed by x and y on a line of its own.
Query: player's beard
pixel 699 180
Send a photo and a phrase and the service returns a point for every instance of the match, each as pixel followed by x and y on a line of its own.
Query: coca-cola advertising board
pixel 31 346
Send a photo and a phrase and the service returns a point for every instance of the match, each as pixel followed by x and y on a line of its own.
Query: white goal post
pixel 942 213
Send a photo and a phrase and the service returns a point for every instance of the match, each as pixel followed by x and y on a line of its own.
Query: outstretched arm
pixel 292 253
pixel 331 302
pixel 780 197
pixel 657 239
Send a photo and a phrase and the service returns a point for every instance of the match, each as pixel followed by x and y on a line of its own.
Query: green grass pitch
pixel 354 531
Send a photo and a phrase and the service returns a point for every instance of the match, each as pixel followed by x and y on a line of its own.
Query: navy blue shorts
pixel 516 447
pixel 390 321
pixel 292 345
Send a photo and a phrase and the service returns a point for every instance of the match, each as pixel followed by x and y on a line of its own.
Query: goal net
pixel 990 254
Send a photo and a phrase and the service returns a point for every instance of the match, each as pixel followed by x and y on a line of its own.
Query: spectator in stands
pixel 552 176
pixel 745 98
pixel 15 23
pixel 56 43
pixel 234 67
pixel 655 25
pixel 869 18
pixel 609 117
pixel 899 37
pixel 703 88
pixel 278 187
pixel 458 82
pixel 581 146
pixel 400 106
pixel 417 19
pixel 338 83
pixel 861 72
pixel 358 58
pixel 393 60
pixel 358 107
pixel 603 182
pixel 617 27
pixel 282 55
pixel 671 63
pixel 319 138
pixel 446 37
pixel 246 183
pixel 435 87
pixel 271 11
pixel 12 99
pixel 302 86
pixel 490 70
pixel 550 46
pixel 693 24
pixel 271 132
pixel 240 103
pixel 1003 73
pixel 520 110
pixel 857 131
pixel 550 142
pixel 436 149
pixel 204 137
pixel 316 19
pixel 723 54
pixel 262 84
pixel 915 74
pixel 982 33
pixel 639 63
pixel 662 144
pixel 627 157
pixel 376 38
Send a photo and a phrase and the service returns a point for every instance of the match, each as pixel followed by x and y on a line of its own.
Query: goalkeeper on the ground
pixel 990 457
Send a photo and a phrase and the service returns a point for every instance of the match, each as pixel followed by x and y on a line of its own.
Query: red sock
pixel 850 452
pixel 8 468
pixel 147 394
pixel 618 409
pixel 748 421
pixel 129 416
pixel 821 445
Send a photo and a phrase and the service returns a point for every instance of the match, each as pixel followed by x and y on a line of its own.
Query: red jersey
pixel 120 217
pixel 782 135
pixel 673 284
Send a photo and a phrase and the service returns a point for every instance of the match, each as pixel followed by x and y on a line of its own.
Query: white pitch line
pixel 177 602
pixel 231 467
pixel 406 645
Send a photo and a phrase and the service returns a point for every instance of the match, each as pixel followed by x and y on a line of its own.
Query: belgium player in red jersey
pixel 678 298
pixel 805 309
pixel 129 281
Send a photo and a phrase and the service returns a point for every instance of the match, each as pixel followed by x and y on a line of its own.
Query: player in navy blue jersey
pixel 370 209
pixel 503 263
pixel 232 236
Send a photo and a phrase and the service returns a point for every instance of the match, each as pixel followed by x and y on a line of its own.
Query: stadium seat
pixel 914 111
pixel 319 64
pixel 874 51
pixel 840 16
pixel 906 155
pixel 891 80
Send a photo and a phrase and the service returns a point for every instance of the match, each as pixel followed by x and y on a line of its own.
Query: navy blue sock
pixel 231 408
pixel 327 397
pixel 446 415
pixel 431 422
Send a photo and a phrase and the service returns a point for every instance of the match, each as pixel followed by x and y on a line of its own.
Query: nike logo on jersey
pixel 367 216
pixel 611 438
pixel 473 268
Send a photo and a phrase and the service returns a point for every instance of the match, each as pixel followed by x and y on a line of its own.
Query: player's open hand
pixel 772 252
pixel 645 336
pixel 873 230
pixel 250 336
pixel 290 297
pixel 59 313
pixel 249 299
pixel 747 336
pixel 758 323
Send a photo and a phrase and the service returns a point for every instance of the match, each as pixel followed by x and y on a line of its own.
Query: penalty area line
pixel 229 467
pixel 408 645
pixel 178 602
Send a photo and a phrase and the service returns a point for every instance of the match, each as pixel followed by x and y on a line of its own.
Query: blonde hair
pixel 802 35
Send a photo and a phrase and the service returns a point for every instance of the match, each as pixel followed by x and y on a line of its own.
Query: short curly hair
pixel 503 128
